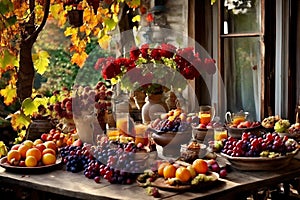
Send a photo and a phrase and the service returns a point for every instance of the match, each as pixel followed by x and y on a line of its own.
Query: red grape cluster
pixel 251 145
pixel 83 101
pixel 87 100
pixel 120 164
pixel 63 108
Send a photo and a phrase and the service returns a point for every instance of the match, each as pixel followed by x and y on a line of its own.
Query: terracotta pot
pixel 38 127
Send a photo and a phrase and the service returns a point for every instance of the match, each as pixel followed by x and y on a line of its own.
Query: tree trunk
pixel 28 37
pixel 26 70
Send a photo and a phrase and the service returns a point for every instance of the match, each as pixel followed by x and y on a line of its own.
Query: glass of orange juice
pixel 220 134
pixel 124 123
pixel 206 114
pixel 141 135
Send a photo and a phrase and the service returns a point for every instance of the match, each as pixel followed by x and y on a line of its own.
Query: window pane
pixel 242 75
pixel 241 16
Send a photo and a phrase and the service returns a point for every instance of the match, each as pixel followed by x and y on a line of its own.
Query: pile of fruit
pixel 269 122
pixel 294 129
pixel 182 173
pixel 174 121
pixel 116 162
pixel 32 153
pixel 251 145
pixel 61 139
pixel 245 124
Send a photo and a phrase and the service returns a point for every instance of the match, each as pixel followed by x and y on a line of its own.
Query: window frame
pixel 265 96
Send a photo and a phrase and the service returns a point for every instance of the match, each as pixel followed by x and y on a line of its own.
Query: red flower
pixel 197 63
pixel 134 53
pixel 110 70
pixel 187 53
pixel 99 63
pixel 190 72
pixel 167 50
pixel 210 65
pixel 155 54
pixel 144 50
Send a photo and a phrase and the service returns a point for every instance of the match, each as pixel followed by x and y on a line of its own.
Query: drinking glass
pixel 206 114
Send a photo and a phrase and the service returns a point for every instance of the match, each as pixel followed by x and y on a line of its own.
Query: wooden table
pixel 76 185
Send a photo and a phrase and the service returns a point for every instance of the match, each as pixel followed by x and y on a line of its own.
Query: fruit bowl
pixel 30 170
pixel 260 163
pixel 237 132
pixel 171 141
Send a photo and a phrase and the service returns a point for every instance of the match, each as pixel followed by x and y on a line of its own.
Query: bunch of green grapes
pixel 282 125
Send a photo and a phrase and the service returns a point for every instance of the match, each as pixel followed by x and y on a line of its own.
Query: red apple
pixel 44 136
pixel 41 147
pixel 202 126
pixel 78 143
pixel 15 147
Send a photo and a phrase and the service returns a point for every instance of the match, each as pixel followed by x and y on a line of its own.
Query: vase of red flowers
pixel 150 66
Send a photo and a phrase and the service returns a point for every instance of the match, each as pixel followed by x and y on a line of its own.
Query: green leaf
pixel 110 23
pixel 12 20
pixel 53 99
pixel 19 120
pixel 6 6
pixel 212 2
pixel 41 61
pixel 8 59
pixel 29 107
pixel 41 101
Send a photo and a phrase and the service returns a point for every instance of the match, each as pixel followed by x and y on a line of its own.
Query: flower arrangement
pixel 149 67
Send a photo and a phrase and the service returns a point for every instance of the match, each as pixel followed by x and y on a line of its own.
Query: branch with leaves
pixel 22 21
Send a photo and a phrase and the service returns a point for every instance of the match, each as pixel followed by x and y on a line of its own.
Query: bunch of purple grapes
pixel 177 125
pixel 76 158
pixel 119 162
pixel 251 145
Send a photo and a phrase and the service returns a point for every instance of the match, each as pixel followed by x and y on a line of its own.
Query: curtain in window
pixel 242 75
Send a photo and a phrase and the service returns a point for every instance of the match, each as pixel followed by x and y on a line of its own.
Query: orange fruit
pixel 48 159
pixel 169 171
pixel 35 152
pixel 51 145
pixel 161 168
pixel 48 150
pixel 31 161
pixel 183 174
pixel 28 143
pixel 13 155
pixel 37 141
pixel 200 166
pixel 23 149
